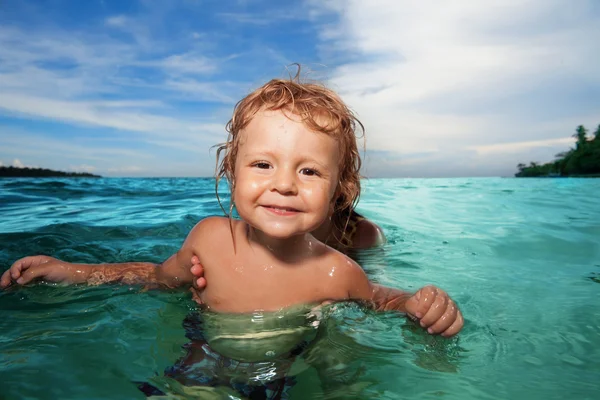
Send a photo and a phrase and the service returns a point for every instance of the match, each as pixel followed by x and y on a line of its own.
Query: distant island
pixel 13 172
pixel 583 160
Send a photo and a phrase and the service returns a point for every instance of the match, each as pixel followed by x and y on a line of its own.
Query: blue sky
pixel 145 87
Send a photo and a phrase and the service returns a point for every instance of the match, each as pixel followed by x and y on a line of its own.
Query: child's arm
pixel 170 273
pixel 434 309
pixel 51 269
pixel 174 272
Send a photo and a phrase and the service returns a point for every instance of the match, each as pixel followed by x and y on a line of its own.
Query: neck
pixel 286 249
pixel 324 232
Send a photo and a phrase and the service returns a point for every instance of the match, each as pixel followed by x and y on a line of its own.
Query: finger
pixel 435 312
pixel 195 260
pixel 197 270
pixel 195 296
pixel 18 266
pixel 31 274
pixel 446 320
pixel 16 270
pixel 412 305
pixel 5 280
pixel 455 327
pixel 427 294
pixel 201 283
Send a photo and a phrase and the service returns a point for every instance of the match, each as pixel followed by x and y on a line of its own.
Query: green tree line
pixel 13 172
pixel 583 160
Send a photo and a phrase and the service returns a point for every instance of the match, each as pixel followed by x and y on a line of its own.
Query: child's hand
pixel 199 281
pixel 436 311
pixel 47 268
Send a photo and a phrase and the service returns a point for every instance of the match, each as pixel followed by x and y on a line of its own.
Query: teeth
pixel 283 209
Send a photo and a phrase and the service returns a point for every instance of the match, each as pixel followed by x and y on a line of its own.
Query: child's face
pixel 285 175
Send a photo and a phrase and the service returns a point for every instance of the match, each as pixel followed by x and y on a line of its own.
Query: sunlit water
pixel 521 257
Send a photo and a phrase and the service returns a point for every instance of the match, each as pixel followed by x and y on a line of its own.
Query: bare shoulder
pixel 368 234
pixel 209 232
pixel 213 227
pixel 345 274
pixel 209 223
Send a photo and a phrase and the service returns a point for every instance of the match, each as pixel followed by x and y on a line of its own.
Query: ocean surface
pixel 520 256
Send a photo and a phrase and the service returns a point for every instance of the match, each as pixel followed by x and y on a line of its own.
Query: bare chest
pixel 243 284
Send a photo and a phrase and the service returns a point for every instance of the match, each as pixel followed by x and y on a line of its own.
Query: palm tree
pixel 581 136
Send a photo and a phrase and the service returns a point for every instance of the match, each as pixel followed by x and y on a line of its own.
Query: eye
pixel 261 165
pixel 309 172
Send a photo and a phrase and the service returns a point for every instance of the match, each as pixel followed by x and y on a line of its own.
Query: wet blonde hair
pixel 320 109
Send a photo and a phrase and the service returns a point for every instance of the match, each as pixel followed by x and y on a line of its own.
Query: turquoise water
pixel 521 257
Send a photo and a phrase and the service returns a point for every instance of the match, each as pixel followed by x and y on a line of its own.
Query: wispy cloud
pixel 117 20
pixel 82 168
pixel 521 146
pixel 93 80
pixel 189 63
pixel 464 75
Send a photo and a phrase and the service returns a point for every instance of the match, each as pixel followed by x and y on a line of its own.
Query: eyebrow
pixel 256 154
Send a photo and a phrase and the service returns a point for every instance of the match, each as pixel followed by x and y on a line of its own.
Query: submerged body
pixel 259 336
pixel 251 353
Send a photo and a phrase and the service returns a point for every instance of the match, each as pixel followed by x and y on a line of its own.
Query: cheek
pixel 248 185
pixel 319 193
pixel 253 183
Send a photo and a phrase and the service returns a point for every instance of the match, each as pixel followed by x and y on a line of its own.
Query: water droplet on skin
pixel 239 269
pixel 310 247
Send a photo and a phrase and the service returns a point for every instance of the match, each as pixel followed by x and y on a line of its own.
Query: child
pixel 291 161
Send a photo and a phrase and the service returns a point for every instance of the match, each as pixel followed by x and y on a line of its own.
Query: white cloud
pixel 117 20
pixel 462 75
pixel 520 146
pixel 108 156
pixel 82 168
pixel 189 63
pixel 126 169
pixel 90 89
pixel 94 114
pixel 17 163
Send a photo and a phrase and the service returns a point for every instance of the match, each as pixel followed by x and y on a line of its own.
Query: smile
pixel 284 211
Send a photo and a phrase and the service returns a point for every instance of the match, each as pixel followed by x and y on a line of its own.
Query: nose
pixel 284 181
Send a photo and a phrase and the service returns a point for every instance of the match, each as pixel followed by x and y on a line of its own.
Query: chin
pixel 281 233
